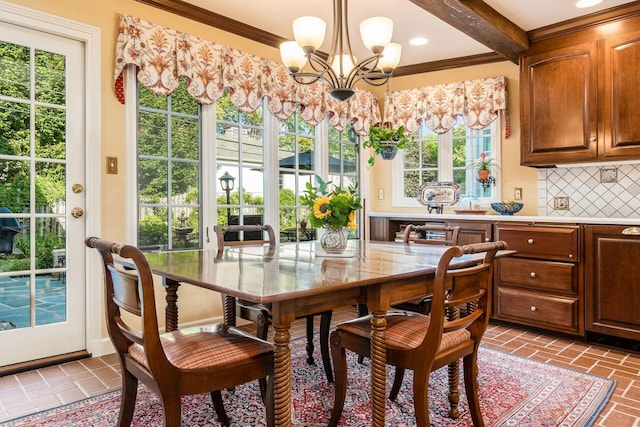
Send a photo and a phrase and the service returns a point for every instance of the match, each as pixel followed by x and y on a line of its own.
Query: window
pixel 344 162
pixel 297 166
pixel 203 165
pixel 168 170
pixel 445 157
pixel 240 164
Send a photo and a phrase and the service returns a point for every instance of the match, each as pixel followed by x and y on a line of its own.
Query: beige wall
pixel 513 175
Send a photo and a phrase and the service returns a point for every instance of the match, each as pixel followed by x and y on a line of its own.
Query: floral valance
pixel 162 56
pixel 478 101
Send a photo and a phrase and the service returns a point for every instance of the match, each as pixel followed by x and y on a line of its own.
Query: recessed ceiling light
pixel 587 3
pixel 418 41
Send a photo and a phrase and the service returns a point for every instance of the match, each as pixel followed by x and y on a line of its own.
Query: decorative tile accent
pixel 608 175
pixel 592 191
pixel 561 203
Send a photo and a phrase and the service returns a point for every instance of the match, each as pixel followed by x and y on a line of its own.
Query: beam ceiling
pixel 481 22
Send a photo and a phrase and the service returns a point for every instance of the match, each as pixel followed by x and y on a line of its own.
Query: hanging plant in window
pixel 385 142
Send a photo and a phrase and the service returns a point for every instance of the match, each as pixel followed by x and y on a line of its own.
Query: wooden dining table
pixel 298 279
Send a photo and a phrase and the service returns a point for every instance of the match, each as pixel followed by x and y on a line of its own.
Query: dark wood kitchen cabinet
pixel 389 228
pixel 473 231
pixel 559 92
pixel 579 96
pixel 612 280
pixel 541 285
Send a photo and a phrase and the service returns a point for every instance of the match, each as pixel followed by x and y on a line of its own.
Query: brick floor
pixel 45 388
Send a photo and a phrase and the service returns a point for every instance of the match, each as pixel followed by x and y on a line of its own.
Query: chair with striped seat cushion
pixel 188 361
pixel 425 343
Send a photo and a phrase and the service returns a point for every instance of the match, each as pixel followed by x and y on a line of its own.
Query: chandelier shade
pixel 340 69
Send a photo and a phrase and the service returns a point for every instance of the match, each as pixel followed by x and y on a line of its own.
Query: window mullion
pixel 445 156
pixel 208 177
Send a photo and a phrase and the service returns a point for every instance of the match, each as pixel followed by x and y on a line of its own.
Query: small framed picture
pixel 517 193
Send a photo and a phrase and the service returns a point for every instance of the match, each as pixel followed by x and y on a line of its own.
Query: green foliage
pixel 331 206
pixel 45 245
pixel 152 230
pixel 379 135
pixel 15 264
pixel 15 127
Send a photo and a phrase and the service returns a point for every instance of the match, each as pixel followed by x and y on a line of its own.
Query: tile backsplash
pixel 611 191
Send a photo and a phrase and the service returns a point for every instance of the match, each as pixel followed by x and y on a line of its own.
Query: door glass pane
pixel 50 133
pixel 14 181
pixel 50 297
pixel 50 187
pixel 14 128
pixel 14 70
pixel 15 302
pixel 50 77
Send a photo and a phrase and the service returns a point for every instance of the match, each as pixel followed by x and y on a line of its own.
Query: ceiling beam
pixel 482 23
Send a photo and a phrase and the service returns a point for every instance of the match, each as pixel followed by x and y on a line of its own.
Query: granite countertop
pixel 510 218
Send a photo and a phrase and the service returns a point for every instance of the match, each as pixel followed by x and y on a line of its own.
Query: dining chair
pixel 425 343
pixel 428 234
pixel 261 314
pixel 187 361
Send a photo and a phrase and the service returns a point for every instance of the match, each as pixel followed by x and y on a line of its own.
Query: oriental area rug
pixel 513 392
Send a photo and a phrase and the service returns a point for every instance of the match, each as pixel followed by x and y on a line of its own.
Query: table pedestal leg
pixel 171 310
pixel 282 377
pixel 378 367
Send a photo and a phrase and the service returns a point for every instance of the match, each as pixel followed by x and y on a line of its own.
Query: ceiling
pixel 411 19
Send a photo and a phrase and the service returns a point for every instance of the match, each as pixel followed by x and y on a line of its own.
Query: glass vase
pixel 334 239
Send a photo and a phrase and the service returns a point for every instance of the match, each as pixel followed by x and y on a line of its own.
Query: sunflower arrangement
pixel 333 206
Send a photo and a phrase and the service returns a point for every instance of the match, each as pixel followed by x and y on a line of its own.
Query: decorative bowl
pixel 508 208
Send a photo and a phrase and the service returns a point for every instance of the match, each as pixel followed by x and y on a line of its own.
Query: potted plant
pixel 333 209
pixel 485 165
pixel 385 141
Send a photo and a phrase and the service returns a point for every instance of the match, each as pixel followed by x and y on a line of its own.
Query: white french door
pixel 42 195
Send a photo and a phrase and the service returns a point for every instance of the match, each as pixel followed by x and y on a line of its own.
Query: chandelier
pixel 341 69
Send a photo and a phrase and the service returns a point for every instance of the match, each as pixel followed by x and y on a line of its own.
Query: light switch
pixel 380 193
pixel 112 165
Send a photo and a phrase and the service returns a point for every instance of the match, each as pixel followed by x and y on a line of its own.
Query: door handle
pixel 77 212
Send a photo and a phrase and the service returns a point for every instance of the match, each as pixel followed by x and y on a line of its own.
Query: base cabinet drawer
pixel 535 274
pixel 535 309
pixel 558 243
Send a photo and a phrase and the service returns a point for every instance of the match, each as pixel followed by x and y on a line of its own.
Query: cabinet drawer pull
pixel 530 241
pixel 593 139
pixel 631 231
pixel 532 274
pixel 486 239
pixel 533 308
pixel 570 256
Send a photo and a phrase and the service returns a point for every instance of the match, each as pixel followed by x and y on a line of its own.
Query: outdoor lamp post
pixel 227 183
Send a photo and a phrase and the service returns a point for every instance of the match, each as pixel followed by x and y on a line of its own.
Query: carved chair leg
pixel 454 392
pixel 325 326
pixel 362 310
pixel 310 346
pixel 218 405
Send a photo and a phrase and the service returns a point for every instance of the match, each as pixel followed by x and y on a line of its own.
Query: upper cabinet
pixel 579 96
